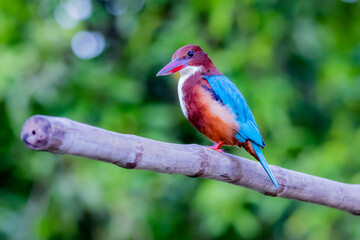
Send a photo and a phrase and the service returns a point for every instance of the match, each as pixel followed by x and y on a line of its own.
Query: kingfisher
pixel 214 105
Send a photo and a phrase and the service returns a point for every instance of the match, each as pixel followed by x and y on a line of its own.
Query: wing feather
pixel 228 94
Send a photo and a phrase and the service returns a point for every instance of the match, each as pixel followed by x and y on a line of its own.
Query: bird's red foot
pixel 217 147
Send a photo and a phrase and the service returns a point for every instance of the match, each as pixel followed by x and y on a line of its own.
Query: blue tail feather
pixel 265 164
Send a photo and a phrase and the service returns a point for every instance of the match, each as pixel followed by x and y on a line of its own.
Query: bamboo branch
pixel 64 136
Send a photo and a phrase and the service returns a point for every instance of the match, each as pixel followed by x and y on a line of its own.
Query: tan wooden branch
pixel 64 136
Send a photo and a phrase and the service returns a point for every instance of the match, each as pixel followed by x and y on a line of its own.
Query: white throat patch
pixel 185 73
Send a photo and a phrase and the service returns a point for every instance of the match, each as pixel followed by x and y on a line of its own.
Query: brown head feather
pixel 199 58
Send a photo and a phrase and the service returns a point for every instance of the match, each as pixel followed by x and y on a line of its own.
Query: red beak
pixel 173 67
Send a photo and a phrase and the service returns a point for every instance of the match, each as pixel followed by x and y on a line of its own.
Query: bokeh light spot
pixel 87 45
pixel 63 18
pixel 78 9
pixel 117 7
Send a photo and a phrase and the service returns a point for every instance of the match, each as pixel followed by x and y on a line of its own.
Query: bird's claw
pixel 216 149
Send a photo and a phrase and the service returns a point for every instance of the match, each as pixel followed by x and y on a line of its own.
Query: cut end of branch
pixel 35 133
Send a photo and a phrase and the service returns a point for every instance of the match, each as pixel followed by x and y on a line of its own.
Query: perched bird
pixel 214 105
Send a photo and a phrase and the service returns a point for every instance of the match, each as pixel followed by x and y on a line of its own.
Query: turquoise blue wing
pixel 228 94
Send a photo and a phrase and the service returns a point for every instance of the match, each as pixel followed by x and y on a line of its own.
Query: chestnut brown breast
pixel 208 115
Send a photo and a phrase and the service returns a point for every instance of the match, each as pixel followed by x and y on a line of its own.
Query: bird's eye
pixel 190 54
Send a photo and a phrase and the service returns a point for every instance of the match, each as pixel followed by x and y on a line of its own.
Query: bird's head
pixel 186 56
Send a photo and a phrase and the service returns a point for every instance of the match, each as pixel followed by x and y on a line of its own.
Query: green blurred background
pixel 296 62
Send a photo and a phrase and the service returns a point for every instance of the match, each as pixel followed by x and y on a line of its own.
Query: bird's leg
pixel 217 147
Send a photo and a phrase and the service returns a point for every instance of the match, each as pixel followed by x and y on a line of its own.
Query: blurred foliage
pixel 296 62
